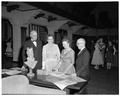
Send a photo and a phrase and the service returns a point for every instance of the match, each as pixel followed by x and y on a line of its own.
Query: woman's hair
pixel 50 35
pixel 66 40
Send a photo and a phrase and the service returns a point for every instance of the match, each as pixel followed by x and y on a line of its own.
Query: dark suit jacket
pixel 82 64
pixel 37 52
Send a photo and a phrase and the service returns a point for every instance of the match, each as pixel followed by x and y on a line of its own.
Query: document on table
pixel 13 72
pixel 68 81
pixel 64 83
pixel 4 70
pixel 16 68
pixel 76 78
pixel 61 80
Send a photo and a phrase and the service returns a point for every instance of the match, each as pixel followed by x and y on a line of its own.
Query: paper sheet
pixel 61 80
pixel 5 70
pixel 15 68
pixel 69 80
pixel 13 72
pixel 64 83
pixel 77 79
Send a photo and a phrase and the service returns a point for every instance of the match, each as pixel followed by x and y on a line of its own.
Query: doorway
pixel 7 42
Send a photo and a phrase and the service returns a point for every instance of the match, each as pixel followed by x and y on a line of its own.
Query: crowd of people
pixel 103 54
pixel 49 57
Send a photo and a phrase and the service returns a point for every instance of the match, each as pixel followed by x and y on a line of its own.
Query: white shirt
pixel 35 43
pixel 81 50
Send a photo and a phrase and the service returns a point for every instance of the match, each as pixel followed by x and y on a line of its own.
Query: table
pixel 41 81
pixel 71 89
pixel 19 85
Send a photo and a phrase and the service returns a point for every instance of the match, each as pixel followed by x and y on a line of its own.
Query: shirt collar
pixel 33 40
pixel 82 48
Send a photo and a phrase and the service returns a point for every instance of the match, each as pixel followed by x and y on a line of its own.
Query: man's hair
pixel 32 31
pixel 82 40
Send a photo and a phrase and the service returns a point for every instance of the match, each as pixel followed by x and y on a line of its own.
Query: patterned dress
pixel 67 58
pixel 109 54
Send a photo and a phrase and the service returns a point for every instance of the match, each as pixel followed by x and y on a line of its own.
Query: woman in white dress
pixel 102 49
pixel 97 57
pixel 51 55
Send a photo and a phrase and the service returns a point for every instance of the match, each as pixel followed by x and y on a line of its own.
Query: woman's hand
pixel 43 65
pixel 56 68
pixel 23 68
pixel 74 74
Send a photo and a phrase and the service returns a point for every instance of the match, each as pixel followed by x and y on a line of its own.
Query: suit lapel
pixel 82 52
pixel 38 44
pixel 32 44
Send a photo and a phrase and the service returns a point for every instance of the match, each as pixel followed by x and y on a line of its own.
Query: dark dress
pixel 109 54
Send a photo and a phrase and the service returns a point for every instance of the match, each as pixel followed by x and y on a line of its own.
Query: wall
pixel 17 20
pixel 71 29
pixel 98 32
pixel 55 25
pixel 23 18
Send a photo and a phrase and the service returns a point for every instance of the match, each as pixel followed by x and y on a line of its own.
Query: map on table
pixel 11 71
pixel 61 80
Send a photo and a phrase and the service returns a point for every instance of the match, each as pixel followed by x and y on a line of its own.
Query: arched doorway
pixel 7 41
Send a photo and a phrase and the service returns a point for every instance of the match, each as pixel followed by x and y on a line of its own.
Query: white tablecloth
pixel 19 84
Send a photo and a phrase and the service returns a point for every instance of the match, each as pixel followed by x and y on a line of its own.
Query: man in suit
pixel 36 44
pixel 82 61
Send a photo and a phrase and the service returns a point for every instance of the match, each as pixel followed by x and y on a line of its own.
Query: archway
pixel 7 36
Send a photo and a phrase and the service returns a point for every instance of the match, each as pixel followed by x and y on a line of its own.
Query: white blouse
pixel 50 56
